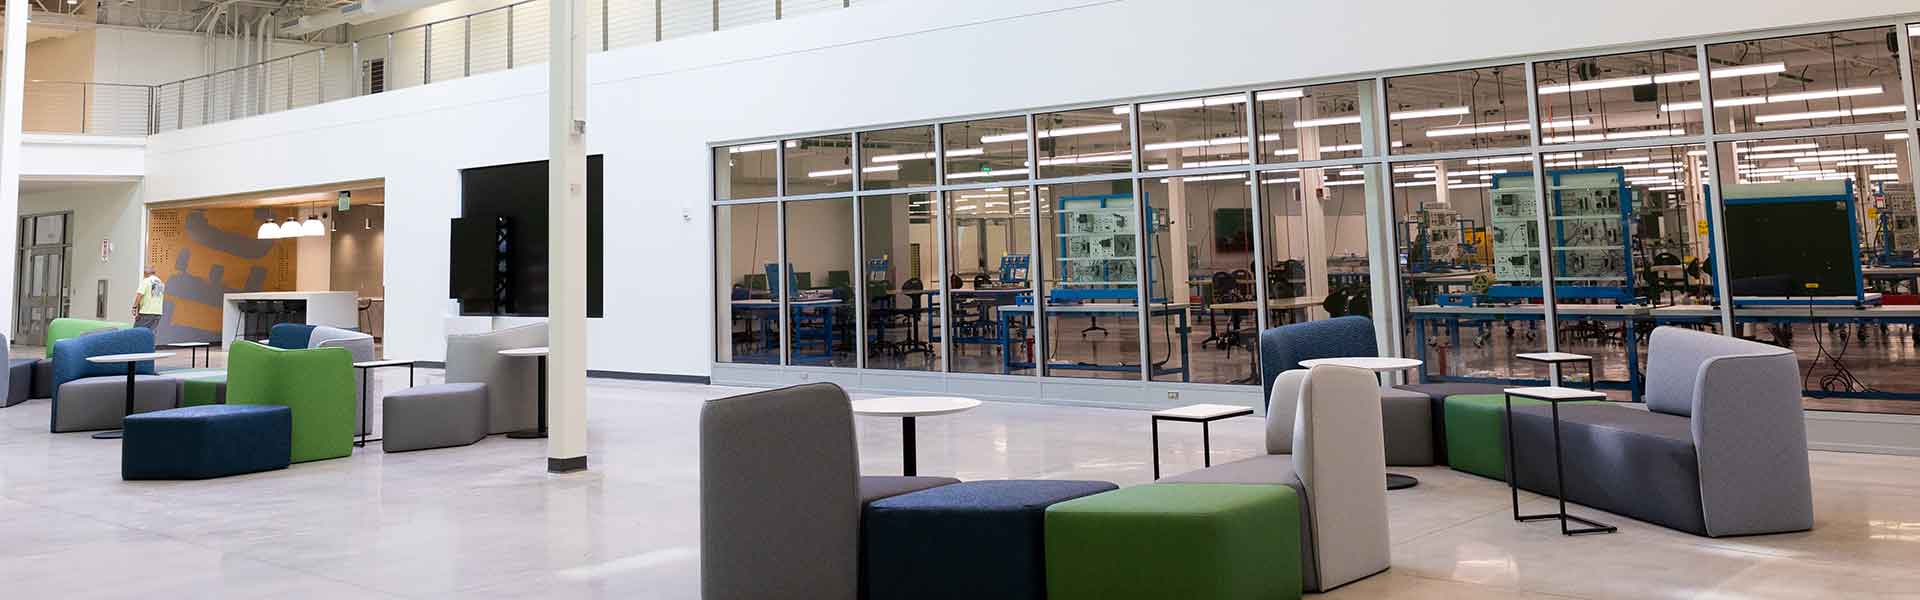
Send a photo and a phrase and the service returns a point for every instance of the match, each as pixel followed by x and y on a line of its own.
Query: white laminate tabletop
pixel 1556 394
pixel 1552 357
pixel 373 364
pixel 913 406
pixel 538 351
pixel 188 344
pixel 1378 364
pixel 1275 304
pixel 1204 411
pixel 105 359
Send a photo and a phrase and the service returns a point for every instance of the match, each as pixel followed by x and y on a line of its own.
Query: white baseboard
pixel 1867 433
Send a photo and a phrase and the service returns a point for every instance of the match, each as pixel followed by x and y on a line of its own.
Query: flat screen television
pixel 498 248
pixel 1792 249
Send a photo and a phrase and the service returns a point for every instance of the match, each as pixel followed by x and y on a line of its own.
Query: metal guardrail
pixel 82 107
pixel 497 39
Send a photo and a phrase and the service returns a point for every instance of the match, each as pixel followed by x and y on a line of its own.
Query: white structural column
pixel 13 77
pixel 567 240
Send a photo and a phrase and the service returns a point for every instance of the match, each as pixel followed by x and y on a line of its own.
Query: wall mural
pixel 205 253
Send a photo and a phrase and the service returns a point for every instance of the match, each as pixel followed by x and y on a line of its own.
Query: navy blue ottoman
pixel 201 442
pixel 977 539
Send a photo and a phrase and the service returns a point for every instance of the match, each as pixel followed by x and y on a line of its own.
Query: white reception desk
pixel 335 309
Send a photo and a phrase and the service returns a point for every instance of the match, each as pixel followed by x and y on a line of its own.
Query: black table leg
pixel 1206 444
pixel 908 451
pixel 117 433
pixel 365 374
pixel 1156 448
pixel 541 430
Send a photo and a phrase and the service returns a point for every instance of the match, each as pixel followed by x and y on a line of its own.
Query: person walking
pixel 149 301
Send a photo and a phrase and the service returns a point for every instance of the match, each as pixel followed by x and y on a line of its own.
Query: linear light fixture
pixel 1617 135
pixel 1886 166
pixel 1829 114
pixel 1664 188
pixel 1336 183
pixel 1506 127
pixel 1465 186
pixel 1328 121
pixel 1855 157
pixel 1079 159
pixel 1054 133
pixel 846 172
pixel 1413 169
pixel 1444 111
pixel 1896 136
pixel 1840 152
pixel 1884 177
pixel 1776 148
pixel 980 174
pixel 1183 144
pixel 1225 100
pixel 1864 163
pixel 1674 77
pixel 761 147
pixel 1406 184
pixel 1774 98
pixel 1431 175
pixel 1200 164
pixel 1498 160
pixel 955 153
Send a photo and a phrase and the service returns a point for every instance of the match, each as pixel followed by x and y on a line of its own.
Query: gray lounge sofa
pixel 1720 448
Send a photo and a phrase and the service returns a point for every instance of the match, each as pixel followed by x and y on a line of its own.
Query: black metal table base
pixel 1396 481
pixel 909 452
pixel 527 434
pixel 540 432
pixel 1559 478
pixel 110 435
pixel 1206 437
pixel 366 373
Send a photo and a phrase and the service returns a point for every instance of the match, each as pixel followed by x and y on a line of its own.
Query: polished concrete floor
pixel 486 521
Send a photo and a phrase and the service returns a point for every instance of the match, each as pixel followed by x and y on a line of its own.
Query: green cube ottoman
pixel 1476 432
pixel 198 388
pixel 1190 541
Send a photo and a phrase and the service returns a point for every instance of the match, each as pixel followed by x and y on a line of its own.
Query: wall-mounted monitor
pixel 498 249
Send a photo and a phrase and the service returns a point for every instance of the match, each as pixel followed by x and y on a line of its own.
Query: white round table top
pixel 189 344
pixel 127 358
pixel 913 406
pixel 1378 364
pixel 540 351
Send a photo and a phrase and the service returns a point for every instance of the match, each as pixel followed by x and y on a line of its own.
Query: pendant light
pixel 290 228
pixel 268 231
pixel 313 227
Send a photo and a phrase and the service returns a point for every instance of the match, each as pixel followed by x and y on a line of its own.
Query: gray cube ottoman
pixel 96 403
pixel 42 378
pixel 434 416
pixel 19 380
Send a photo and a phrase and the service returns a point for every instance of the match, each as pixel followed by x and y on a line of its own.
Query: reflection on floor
pixel 486 521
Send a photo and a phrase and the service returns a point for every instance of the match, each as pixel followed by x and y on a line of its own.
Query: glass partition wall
pixel 1570 202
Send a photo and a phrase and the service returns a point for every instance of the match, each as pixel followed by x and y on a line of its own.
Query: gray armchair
pixel 1323 440
pixel 1720 448
pixel 512 383
pixel 781 495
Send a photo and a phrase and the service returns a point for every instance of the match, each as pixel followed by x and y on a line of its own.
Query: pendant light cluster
pixel 292 228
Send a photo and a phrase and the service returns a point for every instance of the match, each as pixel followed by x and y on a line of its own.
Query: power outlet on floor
pixel 1173 395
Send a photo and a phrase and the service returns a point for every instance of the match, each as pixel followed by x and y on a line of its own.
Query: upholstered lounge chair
pixel 1324 441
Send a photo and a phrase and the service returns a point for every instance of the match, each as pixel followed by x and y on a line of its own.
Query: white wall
pixel 100 212
pixel 654 108
pixel 313 263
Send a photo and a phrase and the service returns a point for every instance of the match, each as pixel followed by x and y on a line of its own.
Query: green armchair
pixel 317 383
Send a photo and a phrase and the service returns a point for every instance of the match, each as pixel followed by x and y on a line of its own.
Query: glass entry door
pixel 41 294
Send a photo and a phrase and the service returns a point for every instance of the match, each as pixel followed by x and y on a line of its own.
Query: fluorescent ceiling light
pixel 1332 183
pixel 1696 153
pixel 1617 135
pixel 1856 157
pixel 1200 164
pixel 1054 133
pixel 1886 166
pixel 1664 188
pixel 1328 121
pixel 955 153
pixel 1199 178
pixel 1840 152
pixel 1463 173
pixel 1187 103
pixel 1445 111
pixel 1746 70
pixel 1599 162
pixel 1280 95
pixel 1078 159
pixel 1476 129
pixel 1351 173
pixel 1464 186
pixel 980 174
pixel 1864 163
pixel 1792 97
pixel 1896 136
pixel 1499 160
pixel 1777 148
pixel 1884 177
pixel 753 148
pixel 846 172
pixel 1829 114
pixel 1561 156
pixel 1182 144
pixel 1413 169
pixel 1281 180
pixel 1674 77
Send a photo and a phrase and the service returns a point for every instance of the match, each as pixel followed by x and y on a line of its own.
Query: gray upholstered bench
pixel 96 403
pixel 434 416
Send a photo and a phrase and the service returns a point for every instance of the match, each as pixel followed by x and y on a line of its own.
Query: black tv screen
pixel 499 243
pixel 1790 249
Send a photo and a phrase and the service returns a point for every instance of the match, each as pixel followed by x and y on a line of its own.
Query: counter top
pixel 284 295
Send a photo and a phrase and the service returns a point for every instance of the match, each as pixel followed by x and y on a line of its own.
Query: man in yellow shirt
pixel 149 301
